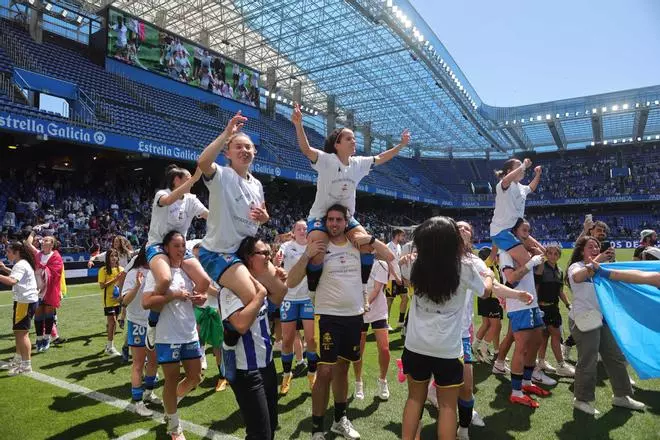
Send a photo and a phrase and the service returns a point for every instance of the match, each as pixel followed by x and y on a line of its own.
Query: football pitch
pixel 79 393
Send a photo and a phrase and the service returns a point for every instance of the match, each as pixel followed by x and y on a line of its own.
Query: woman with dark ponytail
pixel 23 284
pixel 339 173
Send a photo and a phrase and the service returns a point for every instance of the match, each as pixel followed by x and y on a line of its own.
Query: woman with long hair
pixel 173 209
pixel 142 391
pixel 592 334
pixel 122 246
pixel 433 344
pixel 177 342
pixel 254 382
pixel 339 173
pixel 23 284
pixel 110 277
pixel 49 267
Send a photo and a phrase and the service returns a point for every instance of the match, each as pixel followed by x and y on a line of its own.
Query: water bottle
pixel 115 292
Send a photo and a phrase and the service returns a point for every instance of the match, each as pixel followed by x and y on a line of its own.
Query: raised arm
pixel 296 117
pixel 298 271
pixel 130 294
pixel 628 275
pixel 389 154
pixel 537 178
pixel 516 174
pixel 206 161
pixel 242 319
pixel 180 191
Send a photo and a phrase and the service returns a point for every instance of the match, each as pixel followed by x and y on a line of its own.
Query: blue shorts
pixel 318 224
pixel 467 351
pixel 157 249
pixel 527 319
pixel 291 311
pixel 136 334
pixel 505 240
pixel 216 263
pixel 170 353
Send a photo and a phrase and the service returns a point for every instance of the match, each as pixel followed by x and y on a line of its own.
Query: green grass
pixel 33 410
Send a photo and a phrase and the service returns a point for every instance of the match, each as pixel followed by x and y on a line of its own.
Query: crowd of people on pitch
pixel 229 289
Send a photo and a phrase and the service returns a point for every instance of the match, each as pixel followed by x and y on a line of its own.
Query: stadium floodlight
pixel 522 120
pixel 538 118
pixel 615 108
pixel 625 106
pixel 48 7
pixel 657 102
pixel 657 136
pixel 31 2
pixel 639 139
pixel 506 122
pixel 630 140
pixel 64 13
pixel 648 103
pixel 593 143
pixel 279 98
pixel 577 113
pixel 603 109
pixel 594 110
pixel 395 9
pixel 637 105
pixel 514 121
pixel 648 138
pixel 604 142
pixel 557 116
pixel 548 117
pixel 407 23
pixel 388 3
pixel 79 20
pixel 614 141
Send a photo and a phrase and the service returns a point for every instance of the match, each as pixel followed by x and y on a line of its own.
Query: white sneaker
pixel 484 353
pixel 150 342
pixel 359 390
pixel 383 390
pixel 151 397
pixel 318 436
pixel 462 434
pixel 112 351
pixel 142 410
pixel 477 420
pixel 585 407
pixel 345 428
pixel 19 369
pixel 540 377
pixel 431 395
pixel 628 402
pixel 11 363
pixel 565 352
pixel 500 368
pixel 277 346
pixel 204 364
pixel 389 328
pixel 545 366
pixel 566 370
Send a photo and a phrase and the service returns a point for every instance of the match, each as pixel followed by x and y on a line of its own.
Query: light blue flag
pixel 632 312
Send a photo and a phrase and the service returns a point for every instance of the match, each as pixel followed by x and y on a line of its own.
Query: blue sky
pixel 517 52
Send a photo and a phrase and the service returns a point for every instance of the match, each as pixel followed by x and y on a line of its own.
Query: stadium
pixel 98 97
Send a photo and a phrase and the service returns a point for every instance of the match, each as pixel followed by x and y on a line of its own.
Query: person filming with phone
pixel 599 230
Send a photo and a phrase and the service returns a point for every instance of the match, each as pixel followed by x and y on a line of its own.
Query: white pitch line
pixel 133 435
pixel 65 298
pixel 125 406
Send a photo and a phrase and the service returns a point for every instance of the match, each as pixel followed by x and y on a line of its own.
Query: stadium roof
pixel 383 63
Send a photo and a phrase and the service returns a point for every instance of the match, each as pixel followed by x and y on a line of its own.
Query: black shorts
pixel 112 311
pixel 376 325
pixel 551 315
pixel 23 314
pixel 392 290
pixel 339 337
pixel 489 308
pixel 447 373
pixel 299 325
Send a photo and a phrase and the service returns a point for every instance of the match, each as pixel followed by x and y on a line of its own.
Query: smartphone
pixel 589 217
pixel 605 246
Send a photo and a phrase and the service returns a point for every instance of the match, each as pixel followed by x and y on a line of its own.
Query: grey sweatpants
pixel 589 344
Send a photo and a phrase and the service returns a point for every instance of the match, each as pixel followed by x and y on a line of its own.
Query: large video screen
pixel 148 47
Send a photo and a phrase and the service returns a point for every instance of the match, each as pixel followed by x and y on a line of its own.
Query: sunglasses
pixel 265 253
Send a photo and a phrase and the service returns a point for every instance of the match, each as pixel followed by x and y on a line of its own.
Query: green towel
pixel 210 326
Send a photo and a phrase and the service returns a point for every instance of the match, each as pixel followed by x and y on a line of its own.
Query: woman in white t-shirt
pixel 597 340
pixel 339 173
pixel 510 197
pixel 136 333
pixel 176 334
pixel 376 318
pixel 433 345
pixel 23 284
pixel 173 209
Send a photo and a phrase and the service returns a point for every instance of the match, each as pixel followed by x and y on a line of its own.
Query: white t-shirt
pixel 396 250
pixel 122 32
pixel 339 292
pixel 177 216
pixel 435 329
pixel 584 293
pixel 292 251
pixel 25 290
pixel 378 310
pixel 526 283
pixel 134 311
pixel 483 270
pixel 176 324
pixel 337 182
pixel 212 301
pixel 254 349
pixel 230 200
pixel 509 206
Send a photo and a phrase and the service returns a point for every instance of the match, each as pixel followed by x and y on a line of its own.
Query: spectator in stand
pixel 648 238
